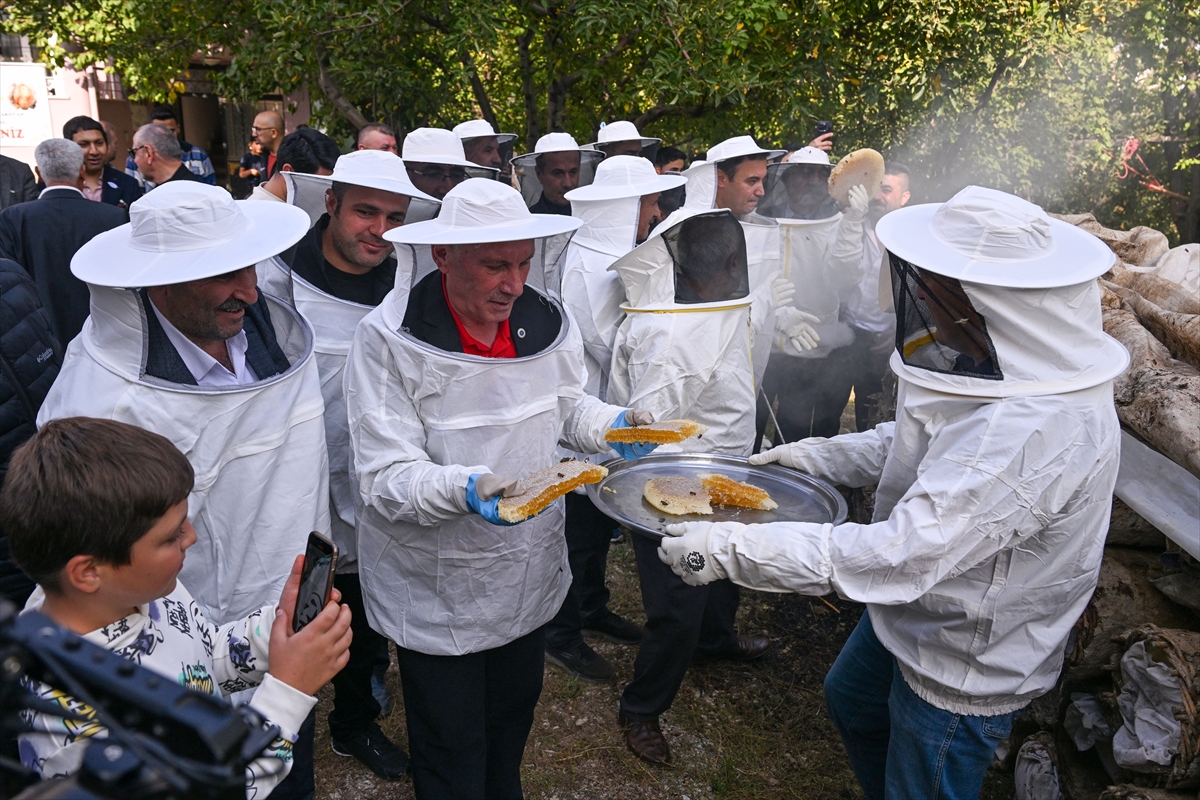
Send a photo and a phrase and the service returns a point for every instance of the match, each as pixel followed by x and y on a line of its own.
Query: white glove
pixel 787 455
pixel 802 333
pixel 686 551
pixel 859 201
pixel 488 485
pixel 782 290
pixel 639 416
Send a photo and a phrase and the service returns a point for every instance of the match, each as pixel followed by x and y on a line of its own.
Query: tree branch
pixel 331 91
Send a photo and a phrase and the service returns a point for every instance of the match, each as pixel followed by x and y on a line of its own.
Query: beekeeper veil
pixel 479 212
pixel 558 153
pixel 436 163
pixel 798 187
pixel 621 138
pixel 994 298
pixel 483 146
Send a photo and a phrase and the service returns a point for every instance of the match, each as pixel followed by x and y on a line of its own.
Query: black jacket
pixel 43 236
pixel 29 361
pixel 534 321
pixel 544 206
pixel 118 189
pixel 263 353
pixel 16 182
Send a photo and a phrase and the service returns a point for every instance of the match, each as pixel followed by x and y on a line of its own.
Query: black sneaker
pixel 583 662
pixel 614 628
pixel 375 750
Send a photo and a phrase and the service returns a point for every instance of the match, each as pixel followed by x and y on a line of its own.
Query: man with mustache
pixel 226 372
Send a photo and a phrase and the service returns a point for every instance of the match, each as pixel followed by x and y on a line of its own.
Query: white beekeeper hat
pixel 739 146
pixel 625 176
pixel 809 155
pixel 994 238
pixel 479 211
pixel 620 131
pixel 374 169
pixel 184 231
pixel 475 128
pixel 555 143
pixel 436 146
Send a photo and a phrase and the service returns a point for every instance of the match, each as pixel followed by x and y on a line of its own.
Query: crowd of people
pixel 379 345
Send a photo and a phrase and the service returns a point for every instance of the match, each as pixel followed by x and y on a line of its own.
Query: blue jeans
pixel 902 748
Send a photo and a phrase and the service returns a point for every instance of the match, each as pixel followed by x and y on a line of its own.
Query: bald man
pixel 268 132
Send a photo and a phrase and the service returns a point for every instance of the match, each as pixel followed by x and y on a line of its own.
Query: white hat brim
pixel 1077 256
pixel 110 259
pixel 646 142
pixel 435 231
pixel 448 161
pixel 504 138
pixel 530 159
pixel 593 192
pixel 381 182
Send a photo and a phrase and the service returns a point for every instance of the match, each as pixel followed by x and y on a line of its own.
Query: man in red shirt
pixel 468 375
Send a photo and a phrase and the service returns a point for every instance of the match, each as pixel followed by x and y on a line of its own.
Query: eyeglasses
pixel 434 174
pixel 133 150
pixel 256 129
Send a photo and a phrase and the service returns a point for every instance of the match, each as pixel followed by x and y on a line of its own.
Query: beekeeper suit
pixel 994 491
pixel 618 210
pixel 334 321
pixel 770 291
pixel 821 254
pixel 611 209
pixel 437 432
pixel 556 166
pixel 621 138
pixel 684 352
pixel 257 441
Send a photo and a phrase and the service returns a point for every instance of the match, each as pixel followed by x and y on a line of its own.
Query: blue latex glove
pixel 489 509
pixel 629 452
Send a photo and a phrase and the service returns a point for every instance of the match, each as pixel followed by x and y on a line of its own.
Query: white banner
pixel 24 105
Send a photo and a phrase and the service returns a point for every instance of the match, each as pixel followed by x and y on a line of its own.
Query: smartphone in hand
pixel 823 127
pixel 316 579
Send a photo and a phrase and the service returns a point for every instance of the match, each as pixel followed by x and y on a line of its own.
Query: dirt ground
pixel 736 731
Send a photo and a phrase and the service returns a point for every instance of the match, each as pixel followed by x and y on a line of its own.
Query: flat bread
pixel 860 168
pixel 679 495
pixel 668 431
pixel 547 485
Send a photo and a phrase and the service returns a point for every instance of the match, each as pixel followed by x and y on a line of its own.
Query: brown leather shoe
pixel 645 740
pixel 744 648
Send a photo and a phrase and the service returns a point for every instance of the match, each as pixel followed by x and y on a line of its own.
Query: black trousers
pixel 354 707
pixel 300 784
pixel 680 620
pixel 812 393
pixel 589 534
pixel 868 363
pixel 469 716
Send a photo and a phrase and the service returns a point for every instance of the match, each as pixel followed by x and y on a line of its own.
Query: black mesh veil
pixel 937 327
pixel 797 191
pixel 709 254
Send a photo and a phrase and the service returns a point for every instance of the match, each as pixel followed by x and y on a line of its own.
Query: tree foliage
pixel 1039 97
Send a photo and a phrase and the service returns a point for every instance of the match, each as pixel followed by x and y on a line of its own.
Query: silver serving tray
pixel 801 498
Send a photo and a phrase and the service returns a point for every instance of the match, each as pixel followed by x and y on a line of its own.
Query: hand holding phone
pixel 307 650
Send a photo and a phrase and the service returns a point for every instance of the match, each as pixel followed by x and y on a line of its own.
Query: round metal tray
pixel 801 498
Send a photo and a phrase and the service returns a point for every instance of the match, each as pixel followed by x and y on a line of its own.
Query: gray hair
pixel 59 160
pixel 161 139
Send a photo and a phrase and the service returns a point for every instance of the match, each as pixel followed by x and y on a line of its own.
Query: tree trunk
pixel 334 94
pixel 532 134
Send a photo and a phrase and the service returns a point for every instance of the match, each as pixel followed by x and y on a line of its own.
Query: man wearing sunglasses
pixel 436 162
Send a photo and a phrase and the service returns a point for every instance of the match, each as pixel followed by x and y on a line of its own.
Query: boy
pixel 109 574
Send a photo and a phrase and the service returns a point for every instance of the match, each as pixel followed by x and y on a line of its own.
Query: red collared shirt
pixel 502 346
